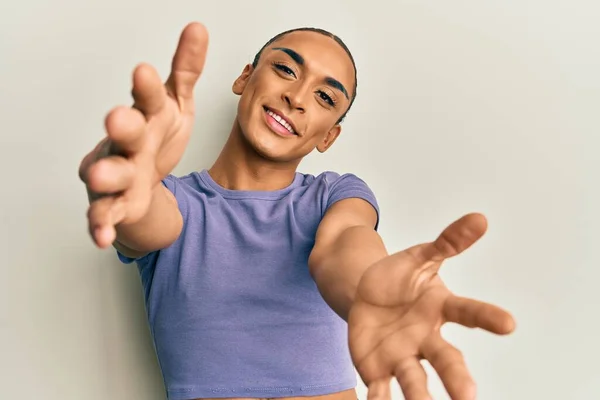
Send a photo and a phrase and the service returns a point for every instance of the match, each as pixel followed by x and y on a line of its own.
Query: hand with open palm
pixel 144 142
pixel 400 306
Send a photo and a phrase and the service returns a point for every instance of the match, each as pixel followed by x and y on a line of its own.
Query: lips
pixel 280 122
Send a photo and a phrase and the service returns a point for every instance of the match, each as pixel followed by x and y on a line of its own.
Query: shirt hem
pixel 193 392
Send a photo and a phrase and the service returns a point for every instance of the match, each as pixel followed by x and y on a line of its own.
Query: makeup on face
pixel 329 81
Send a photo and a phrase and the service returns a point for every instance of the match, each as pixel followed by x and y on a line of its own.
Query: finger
pixel 103 215
pixel 477 314
pixel 379 390
pixel 149 93
pixel 84 166
pixel 456 238
pixel 412 379
pixel 450 365
pixel 125 127
pixel 90 158
pixel 110 175
pixel 188 63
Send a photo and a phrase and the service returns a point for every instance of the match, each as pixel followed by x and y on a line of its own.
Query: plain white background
pixel 462 106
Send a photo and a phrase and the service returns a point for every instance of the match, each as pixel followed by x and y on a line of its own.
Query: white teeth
pixel 281 121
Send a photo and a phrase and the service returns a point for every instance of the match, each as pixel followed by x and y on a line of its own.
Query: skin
pixel 395 304
pixel 256 158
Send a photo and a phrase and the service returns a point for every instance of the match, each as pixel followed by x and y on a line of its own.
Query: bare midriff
pixel 345 395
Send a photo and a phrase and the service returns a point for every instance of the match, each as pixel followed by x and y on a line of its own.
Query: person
pixel 261 281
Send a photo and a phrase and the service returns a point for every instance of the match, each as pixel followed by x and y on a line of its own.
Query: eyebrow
pixel 300 61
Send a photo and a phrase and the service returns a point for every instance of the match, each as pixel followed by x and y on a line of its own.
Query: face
pixel 291 102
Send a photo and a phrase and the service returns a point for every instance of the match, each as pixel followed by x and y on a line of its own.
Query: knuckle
pixel 117 111
pixel 113 118
pixel 96 176
pixel 87 162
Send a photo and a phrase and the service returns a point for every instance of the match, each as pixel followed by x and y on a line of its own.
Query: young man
pixel 260 281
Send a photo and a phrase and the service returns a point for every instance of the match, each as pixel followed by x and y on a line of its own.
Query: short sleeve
pixel 172 183
pixel 350 186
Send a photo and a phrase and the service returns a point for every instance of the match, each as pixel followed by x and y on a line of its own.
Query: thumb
pixel 188 63
pixel 455 239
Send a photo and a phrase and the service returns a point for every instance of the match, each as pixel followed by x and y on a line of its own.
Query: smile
pixel 278 123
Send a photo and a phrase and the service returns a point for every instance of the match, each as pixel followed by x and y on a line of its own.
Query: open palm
pixel 400 306
pixel 144 142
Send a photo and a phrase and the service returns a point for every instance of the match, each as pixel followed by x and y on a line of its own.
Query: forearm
pixel 338 273
pixel 157 229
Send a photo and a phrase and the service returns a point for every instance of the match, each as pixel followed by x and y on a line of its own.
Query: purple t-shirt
pixel 231 306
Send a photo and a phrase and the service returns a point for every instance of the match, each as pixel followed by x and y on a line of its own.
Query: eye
pixel 285 69
pixel 326 98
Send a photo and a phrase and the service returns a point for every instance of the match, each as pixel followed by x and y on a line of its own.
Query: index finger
pixel 188 63
pixel 477 314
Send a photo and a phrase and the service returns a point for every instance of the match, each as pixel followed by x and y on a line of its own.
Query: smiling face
pixel 292 101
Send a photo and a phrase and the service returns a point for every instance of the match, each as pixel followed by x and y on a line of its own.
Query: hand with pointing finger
pixel 144 142
pixel 400 306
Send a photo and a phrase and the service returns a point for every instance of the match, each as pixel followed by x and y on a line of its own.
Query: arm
pixel 346 245
pixel 158 229
pixel 126 173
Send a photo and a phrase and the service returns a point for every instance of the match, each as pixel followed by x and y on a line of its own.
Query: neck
pixel 241 167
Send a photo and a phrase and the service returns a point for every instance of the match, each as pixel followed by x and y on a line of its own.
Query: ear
pixel 329 138
pixel 242 80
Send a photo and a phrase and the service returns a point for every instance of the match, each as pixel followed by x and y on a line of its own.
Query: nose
pixel 294 97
